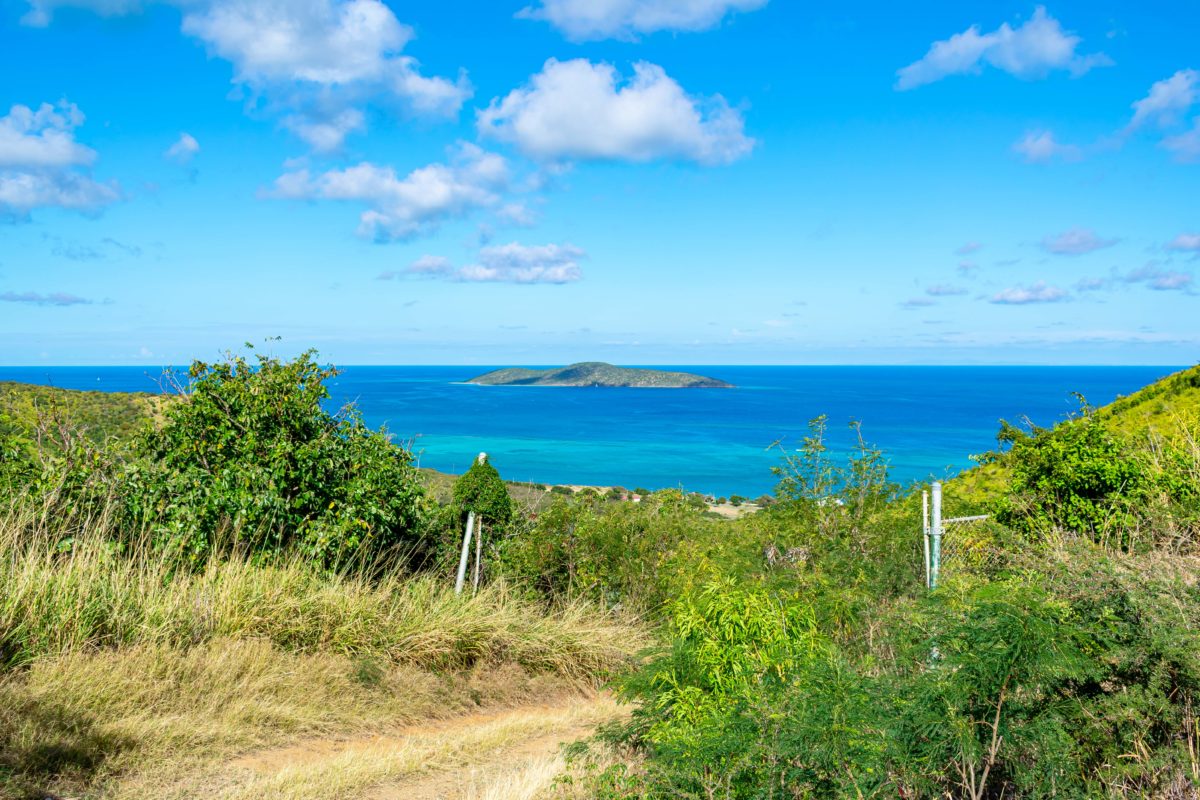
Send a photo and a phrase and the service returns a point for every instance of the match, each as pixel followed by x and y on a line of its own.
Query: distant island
pixel 597 373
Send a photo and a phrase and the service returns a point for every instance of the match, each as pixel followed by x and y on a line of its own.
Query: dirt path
pixel 498 755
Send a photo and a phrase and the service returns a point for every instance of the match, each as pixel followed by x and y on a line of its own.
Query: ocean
pixel 928 420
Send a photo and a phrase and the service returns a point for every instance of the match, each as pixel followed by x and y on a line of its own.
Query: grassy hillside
pixel 27 408
pixel 1166 410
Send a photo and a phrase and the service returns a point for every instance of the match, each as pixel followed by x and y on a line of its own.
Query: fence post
pixel 465 556
pixel 925 532
pixel 935 536
pixel 466 553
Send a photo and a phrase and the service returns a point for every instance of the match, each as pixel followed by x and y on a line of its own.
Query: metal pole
pixel 466 546
pixel 466 552
pixel 925 532
pixel 478 551
pixel 935 535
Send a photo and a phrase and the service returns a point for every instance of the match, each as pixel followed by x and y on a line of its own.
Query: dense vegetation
pixel 798 655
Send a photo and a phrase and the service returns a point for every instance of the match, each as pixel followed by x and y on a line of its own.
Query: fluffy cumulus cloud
pixel 317 62
pixel 1186 242
pixel 580 110
pixel 1076 242
pixel 42 165
pixel 1030 51
pixel 507 263
pixel 183 150
pixel 400 207
pixel 1168 99
pixel 582 20
pixel 49 299
pixel 1040 147
pixel 1039 292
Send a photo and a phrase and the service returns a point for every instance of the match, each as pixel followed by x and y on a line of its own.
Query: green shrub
pixel 482 490
pixel 249 458
pixel 1078 476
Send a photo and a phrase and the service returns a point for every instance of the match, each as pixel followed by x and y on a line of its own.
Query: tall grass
pixel 60 597
pixel 122 674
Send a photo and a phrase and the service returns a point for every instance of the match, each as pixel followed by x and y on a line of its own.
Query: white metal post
pixel 466 553
pixel 478 551
pixel 935 535
pixel 925 532
pixel 466 546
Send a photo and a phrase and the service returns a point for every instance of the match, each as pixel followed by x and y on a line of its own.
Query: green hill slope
pixel 97 415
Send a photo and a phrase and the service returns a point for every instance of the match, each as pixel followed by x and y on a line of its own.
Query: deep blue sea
pixel 927 419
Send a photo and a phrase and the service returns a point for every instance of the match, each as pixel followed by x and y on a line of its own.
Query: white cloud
pixel 319 62
pixel 1185 241
pixel 1185 146
pixel 518 263
pixel 582 20
pixel 328 134
pixel 968 248
pixel 1024 295
pixel 184 149
pixel 517 214
pixel 431 265
pixel 917 302
pixel 1076 242
pixel 1168 99
pixel 1030 51
pixel 1039 147
pixel 41 164
pixel 1155 277
pixel 51 299
pixel 576 110
pixel 400 208
pixel 42 11
pixel 945 290
pixel 42 138
pixel 1091 284
pixel 508 263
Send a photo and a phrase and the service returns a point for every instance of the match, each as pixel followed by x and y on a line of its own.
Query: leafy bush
pixel 248 457
pixel 1082 477
pixel 481 489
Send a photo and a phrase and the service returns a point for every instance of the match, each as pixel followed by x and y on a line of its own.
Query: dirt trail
pixel 495 755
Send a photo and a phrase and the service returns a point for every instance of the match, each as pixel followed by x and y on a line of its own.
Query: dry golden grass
pixel 120 676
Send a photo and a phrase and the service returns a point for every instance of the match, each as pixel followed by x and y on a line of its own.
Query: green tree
pixel 482 490
pixel 249 456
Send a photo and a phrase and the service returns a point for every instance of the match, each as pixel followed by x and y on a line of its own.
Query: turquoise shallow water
pixel 927 419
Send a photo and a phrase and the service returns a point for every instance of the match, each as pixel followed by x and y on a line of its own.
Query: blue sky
pixel 639 181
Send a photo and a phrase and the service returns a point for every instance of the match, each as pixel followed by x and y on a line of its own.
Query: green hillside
pixel 27 408
pixel 1166 410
